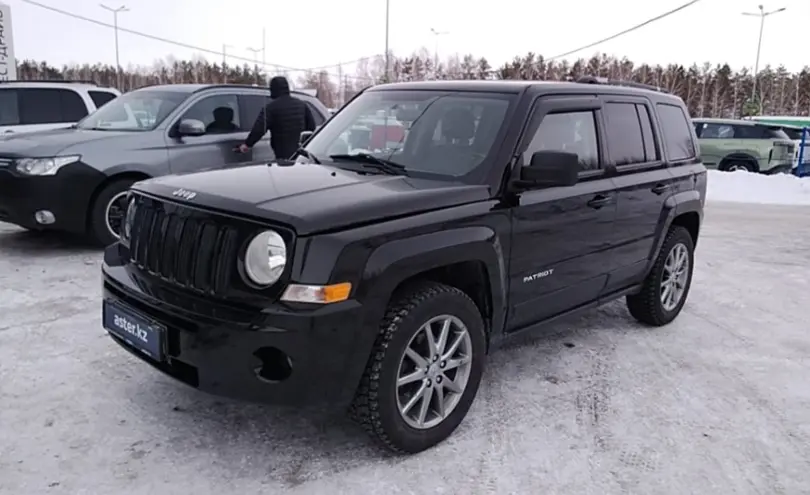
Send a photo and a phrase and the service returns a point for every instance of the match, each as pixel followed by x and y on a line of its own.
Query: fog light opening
pixel 44 217
pixel 276 366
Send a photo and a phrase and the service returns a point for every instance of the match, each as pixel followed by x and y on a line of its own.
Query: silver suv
pixel 76 179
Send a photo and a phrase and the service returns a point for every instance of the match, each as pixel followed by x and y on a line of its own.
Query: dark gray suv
pixel 75 179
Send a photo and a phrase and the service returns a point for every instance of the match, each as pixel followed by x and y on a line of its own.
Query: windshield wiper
pixel 387 166
pixel 307 154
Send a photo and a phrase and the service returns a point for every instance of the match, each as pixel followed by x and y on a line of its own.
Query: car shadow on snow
pixel 291 447
pixel 18 241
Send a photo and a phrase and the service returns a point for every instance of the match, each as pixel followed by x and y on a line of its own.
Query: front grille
pixel 175 244
pixel 6 162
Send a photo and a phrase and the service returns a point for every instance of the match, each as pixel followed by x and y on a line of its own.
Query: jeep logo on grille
pixel 184 194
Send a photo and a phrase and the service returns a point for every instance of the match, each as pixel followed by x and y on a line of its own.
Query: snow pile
pixel 746 187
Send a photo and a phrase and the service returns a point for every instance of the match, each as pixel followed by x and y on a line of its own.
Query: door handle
pixel 599 201
pixel 661 188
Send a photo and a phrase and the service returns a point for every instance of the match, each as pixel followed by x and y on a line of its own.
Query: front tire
pixel 666 287
pixel 424 370
pixel 108 211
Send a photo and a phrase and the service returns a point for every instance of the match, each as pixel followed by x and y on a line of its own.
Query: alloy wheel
pixel 433 372
pixel 675 277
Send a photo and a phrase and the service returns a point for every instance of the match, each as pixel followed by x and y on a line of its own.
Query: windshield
pixel 429 133
pixel 141 110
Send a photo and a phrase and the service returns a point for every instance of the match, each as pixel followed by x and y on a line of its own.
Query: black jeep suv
pixel 377 270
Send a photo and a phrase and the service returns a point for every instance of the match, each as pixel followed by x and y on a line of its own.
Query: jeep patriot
pixel 377 277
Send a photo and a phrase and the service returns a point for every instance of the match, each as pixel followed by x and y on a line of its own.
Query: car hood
pixel 50 142
pixel 312 198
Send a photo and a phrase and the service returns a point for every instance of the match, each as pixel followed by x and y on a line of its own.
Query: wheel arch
pixel 467 258
pixel 684 209
pixel 739 156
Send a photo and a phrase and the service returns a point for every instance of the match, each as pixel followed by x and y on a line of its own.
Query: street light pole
pixel 762 15
pixel 387 55
pixel 122 8
pixel 436 34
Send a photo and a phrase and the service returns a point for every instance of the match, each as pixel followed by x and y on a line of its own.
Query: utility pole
pixel 255 61
pixel 340 90
pixel 224 57
pixel 387 55
pixel 762 15
pixel 436 35
pixel 122 8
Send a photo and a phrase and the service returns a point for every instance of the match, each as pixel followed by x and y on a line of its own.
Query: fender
pixel 675 205
pixel 128 168
pixel 396 261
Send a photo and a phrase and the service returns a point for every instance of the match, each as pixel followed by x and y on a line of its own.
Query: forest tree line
pixel 710 90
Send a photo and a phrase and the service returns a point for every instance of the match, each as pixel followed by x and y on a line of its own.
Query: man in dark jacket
pixel 285 117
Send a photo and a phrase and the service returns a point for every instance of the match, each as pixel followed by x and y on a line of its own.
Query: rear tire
pixel 401 372
pixel 735 166
pixel 668 277
pixel 108 211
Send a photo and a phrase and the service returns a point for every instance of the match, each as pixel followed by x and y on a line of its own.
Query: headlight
pixel 129 218
pixel 44 166
pixel 265 258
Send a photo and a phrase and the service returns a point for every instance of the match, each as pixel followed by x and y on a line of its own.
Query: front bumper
pixel 236 352
pixel 66 195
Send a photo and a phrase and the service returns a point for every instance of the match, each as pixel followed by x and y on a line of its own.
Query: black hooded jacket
pixel 285 117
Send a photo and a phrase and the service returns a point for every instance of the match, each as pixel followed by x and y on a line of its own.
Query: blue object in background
pixel 801 169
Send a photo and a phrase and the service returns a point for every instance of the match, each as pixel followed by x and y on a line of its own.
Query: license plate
pixel 139 332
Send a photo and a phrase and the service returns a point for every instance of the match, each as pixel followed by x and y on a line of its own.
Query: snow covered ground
pixel 745 187
pixel 717 402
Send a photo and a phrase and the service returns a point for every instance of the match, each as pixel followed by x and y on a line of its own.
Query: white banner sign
pixel 8 64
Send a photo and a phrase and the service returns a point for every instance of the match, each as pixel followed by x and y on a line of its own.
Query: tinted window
pixel 50 106
pixel 624 134
pixel 795 134
pixel 777 133
pixel 250 107
pixel 9 107
pixel 650 149
pixel 573 132
pixel 677 133
pixel 219 113
pixel 101 97
pixel 316 115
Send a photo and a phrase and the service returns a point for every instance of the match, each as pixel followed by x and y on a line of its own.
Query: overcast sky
pixel 317 33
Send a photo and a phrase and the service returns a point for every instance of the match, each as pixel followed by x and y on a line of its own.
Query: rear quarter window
pixel 101 97
pixel 678 136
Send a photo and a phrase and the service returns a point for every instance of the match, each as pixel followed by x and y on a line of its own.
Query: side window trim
pixel 544 105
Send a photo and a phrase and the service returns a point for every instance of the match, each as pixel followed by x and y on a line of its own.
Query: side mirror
pixel 191 127
pixel 551 169
pixel 304 137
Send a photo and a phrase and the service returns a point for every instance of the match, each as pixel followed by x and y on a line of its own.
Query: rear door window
pixel 625 139
pixel 50 106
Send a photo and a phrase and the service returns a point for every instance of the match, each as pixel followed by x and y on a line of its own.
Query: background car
pixel 76 179
pixel 729 145
pixel 29 106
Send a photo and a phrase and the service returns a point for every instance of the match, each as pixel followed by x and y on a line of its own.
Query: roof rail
pixel 54 81
pixel 613 82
